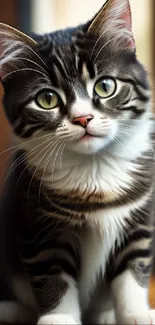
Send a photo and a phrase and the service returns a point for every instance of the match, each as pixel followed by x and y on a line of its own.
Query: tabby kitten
pixel 77 212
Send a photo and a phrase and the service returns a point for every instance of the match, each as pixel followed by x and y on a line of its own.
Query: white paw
pixel 141 319
pixel 57 319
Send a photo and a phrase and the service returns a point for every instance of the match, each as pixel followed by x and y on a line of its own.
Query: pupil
pixel 106 85
pixel 48 98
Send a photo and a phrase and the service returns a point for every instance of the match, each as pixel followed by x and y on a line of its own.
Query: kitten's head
pixel 81 87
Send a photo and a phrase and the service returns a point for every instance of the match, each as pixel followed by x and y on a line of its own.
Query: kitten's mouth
pixel 87 136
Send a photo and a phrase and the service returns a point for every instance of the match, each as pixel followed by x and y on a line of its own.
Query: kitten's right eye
pixel 48 99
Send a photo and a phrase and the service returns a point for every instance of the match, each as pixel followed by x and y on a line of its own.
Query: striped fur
pixel 77 215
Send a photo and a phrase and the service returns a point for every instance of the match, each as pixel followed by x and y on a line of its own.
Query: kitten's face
pixel 85 90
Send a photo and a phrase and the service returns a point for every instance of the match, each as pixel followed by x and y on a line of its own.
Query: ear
pixel 114 23
pixel 13 44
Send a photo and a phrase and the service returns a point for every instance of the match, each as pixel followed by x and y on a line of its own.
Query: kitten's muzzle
pixel 82 120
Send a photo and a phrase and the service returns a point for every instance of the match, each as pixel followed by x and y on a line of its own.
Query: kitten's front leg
pixel 131 300
pixel 67 310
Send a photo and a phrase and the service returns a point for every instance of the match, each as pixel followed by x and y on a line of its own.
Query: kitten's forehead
pixel 73 55
pixel 67 53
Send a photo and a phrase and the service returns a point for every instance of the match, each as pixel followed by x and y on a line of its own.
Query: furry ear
pixel 13 44
pixel 114 23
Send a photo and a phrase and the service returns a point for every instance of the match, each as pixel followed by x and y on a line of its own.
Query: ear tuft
pixel 12 43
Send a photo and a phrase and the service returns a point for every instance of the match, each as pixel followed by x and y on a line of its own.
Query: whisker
pixel 108 42
pixel 117 141
pixel 25 45
pixel 23 69
pixel 137 120
pixel 36 54
pixel 54 162
pixel 124 132
pixel 28 165
pixel 104 32
pixel 46 166
pixel 152 149
pixel 121 139
pixel 33 62
pixel 19 145
pixel 61 154
pixel 18 161
pixel 49 145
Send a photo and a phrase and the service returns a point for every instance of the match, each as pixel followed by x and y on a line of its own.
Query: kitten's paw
pixel 141 319
pixel 57 319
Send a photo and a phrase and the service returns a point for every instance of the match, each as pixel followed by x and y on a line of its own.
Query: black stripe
pixel 30 131
pixel 91 70
pixel 59 66
pixel 138 253
pixel 142 97
pixel 66 205
pixel 125 102
pixel 140 234
pixel 136 236
pixel 44 268
pixel 133 237
pixel 135 84
pixel 29 251
pixel 80 65
pixel 134 109
pixel 19 128
pixel 37 281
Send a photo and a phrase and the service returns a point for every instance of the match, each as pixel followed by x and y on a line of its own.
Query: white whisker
pixel 61 154
pixel 21 70
pixel 47 164
pixel 30 163
pixel 19 161
pixel 33 62
pixel 49 145
pixel 108 42
pixel 54 162
pixel 36 54
pixel 19 146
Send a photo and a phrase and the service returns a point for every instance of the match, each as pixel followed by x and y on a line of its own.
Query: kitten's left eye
pixel 105 87
pixel 48 99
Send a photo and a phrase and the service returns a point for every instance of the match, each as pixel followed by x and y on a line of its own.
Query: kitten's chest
pixel 96 247
pixel 91 175
pixel 86 190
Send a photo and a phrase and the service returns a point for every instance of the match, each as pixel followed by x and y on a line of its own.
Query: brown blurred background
pixel 47 15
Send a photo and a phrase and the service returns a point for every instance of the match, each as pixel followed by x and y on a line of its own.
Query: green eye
pixel 48 99
pixel 105 87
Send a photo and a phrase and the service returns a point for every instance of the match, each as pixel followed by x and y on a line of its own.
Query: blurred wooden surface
pixel 9 15
pixel 9 12
pixel 152 292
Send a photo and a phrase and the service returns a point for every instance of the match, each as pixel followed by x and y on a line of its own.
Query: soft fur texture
pixel 77 214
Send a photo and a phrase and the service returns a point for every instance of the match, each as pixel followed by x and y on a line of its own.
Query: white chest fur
pixel 94 252
pixel 102 173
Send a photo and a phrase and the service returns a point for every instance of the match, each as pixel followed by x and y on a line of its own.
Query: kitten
pixel 76 221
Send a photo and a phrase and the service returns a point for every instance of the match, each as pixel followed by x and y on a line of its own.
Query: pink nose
pixel 82 120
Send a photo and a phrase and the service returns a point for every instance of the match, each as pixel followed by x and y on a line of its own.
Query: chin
pixel 89 145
